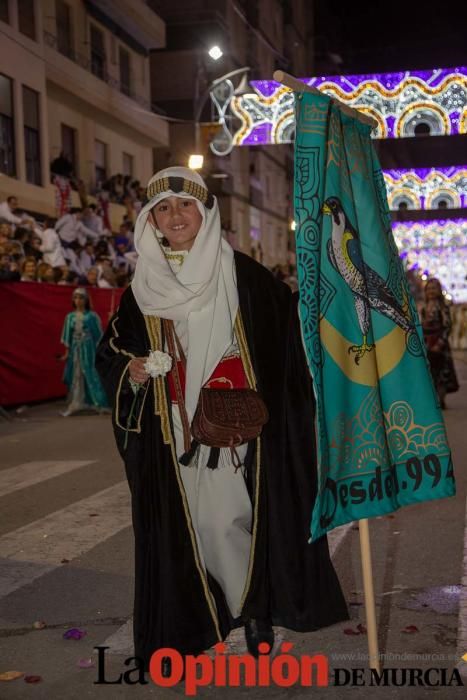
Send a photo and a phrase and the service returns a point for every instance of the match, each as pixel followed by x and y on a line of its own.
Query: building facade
pixel 74 79
pixel 253 184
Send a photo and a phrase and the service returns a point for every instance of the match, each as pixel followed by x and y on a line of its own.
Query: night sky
pixel 388 36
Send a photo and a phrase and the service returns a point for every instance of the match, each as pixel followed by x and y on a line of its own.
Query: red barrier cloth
pixel 31 322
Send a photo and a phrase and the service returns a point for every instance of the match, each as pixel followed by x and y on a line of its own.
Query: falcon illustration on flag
pixel 370 291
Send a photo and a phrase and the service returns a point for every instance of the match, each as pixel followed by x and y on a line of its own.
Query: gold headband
pixel 180 184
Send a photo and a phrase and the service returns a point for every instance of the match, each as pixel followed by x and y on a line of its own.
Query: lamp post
pixel 196 159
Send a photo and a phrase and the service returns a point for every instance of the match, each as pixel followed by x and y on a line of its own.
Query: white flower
pixel 158 363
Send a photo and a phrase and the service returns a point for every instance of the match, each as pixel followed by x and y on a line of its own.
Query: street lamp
pixel 196 159
pixel 216 53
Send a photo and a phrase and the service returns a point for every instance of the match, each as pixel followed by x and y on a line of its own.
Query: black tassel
pixel 186 458
pixel 213 460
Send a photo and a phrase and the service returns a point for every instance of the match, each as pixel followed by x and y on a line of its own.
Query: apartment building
pixel 74 78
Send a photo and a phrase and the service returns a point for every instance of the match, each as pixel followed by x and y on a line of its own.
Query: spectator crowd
pixel 78 248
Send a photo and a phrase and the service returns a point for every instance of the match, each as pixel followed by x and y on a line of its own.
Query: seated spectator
pixel 127 185
pixel 104 249
pixel 5 233
pixel 135 189
pixel 71 254
pixel 129 206
pixel 117 187
pixel 122 278
pixel 87 257
pixel 17 243
pixel 105 273
pixel 91 219
pixel 8 212
pixel 60 274
pixel 32 246
pixel 45 273
pixel 51 247
pixel 122 246
pixel 140 199
pixel 126 229
pixel 71 229
pixel 72 278
pixel 91 277
pixel 29 270
pixel 66 276
pixel 8 267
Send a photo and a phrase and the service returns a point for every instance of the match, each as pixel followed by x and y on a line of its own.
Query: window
pixel 64 28
pixel 7 133
pixel 31 135
pixel 127 164
pixel 26 19
pixel 100 160
pixel 69 145
pixel 4 13
pixel 124 57
pixel 97 52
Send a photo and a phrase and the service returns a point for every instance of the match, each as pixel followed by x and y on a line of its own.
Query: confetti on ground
pixel 39 625
pixel 10 675
pixel 32 679
pixel 74 633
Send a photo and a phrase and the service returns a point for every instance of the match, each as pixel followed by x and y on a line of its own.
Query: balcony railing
pixel 100 72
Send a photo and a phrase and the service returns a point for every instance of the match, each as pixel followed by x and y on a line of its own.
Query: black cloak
pixel 291 582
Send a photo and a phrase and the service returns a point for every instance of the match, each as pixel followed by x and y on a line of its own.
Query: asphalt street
pixel 66 560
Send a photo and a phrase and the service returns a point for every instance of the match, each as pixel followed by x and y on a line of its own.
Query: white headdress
pixel 80 291
pixel 202 297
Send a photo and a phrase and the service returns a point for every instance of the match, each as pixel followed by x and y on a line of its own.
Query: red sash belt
pixel 229 374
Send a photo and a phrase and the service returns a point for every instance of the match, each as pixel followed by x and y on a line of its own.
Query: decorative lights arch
pixel 398 102
pixel 426 188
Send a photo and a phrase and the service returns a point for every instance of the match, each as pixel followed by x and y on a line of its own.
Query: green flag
pixel 380 433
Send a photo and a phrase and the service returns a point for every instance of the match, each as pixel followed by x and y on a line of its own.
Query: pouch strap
pixel 173 340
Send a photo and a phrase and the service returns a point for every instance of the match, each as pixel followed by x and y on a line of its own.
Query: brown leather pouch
pixel 223 417
pixel 228 417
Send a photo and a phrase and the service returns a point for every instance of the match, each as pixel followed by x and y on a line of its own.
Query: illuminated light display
pixel 399 102
pixel 427 188
pixel 437 249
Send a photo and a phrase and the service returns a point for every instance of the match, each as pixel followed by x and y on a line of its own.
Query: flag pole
pixel 369 594
pixel 297 86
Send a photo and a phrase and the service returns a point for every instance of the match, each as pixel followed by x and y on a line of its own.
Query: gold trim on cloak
pixel 250 375
pixel 120 351
pixel 114 347
pixel 161 408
